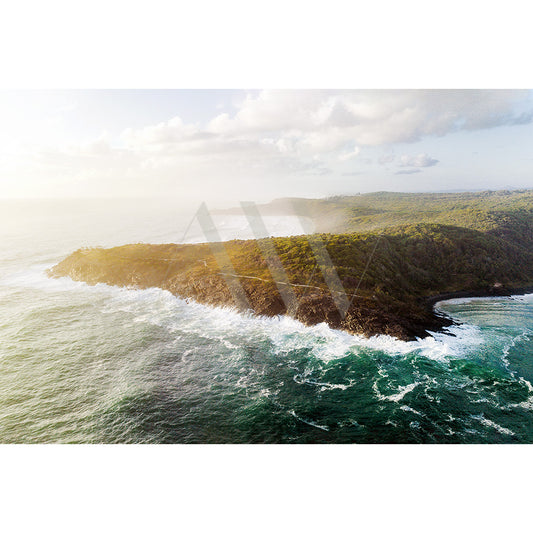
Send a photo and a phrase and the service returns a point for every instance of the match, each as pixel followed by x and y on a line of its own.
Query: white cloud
pixel 276 136
pixel 370 118
pixel 419 161
pixel 173 132
pixel 298 126
pixel 346 156
pixel 410 171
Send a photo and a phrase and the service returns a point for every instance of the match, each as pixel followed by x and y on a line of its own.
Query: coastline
pixel 479 293
pixel 432 303
pixel 389 289
pixel 192 271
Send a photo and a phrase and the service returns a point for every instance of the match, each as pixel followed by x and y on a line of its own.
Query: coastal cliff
pixel 389 279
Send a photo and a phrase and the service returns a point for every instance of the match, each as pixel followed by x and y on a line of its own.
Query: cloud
pixel 384 159
pixel 273 137
pixel 410 171
pixel 346 156
pixel 290 129
pixel 172 133
pixel 330 119
pixel 419 161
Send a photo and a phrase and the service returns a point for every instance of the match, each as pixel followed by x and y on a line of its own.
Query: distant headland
pixel 393 255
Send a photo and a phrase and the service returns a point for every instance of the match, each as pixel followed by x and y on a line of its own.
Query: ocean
pixel 101 364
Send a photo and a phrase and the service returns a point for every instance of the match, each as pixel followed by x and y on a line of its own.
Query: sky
pixel 232 145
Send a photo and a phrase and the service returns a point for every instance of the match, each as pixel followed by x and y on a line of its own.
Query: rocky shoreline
pixel 368 316
pixel 390 281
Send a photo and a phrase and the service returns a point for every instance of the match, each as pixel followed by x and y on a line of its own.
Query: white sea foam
pixel 523 297
pixel 490 423
pixel 528 403
pixel 227 326
pixel 402 391
pixel 524 336
pixel 308 422
pixel 472 299
pixel 35 277
pixel 410 410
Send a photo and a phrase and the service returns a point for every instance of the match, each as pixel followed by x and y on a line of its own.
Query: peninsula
pixel 393 256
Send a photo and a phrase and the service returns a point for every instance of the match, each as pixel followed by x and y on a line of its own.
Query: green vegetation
pixel 393 251
pixel 485 211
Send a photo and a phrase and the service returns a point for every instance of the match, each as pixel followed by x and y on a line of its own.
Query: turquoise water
pixel 103 364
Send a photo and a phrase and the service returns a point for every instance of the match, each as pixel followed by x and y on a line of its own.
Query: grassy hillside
pixel 504 213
